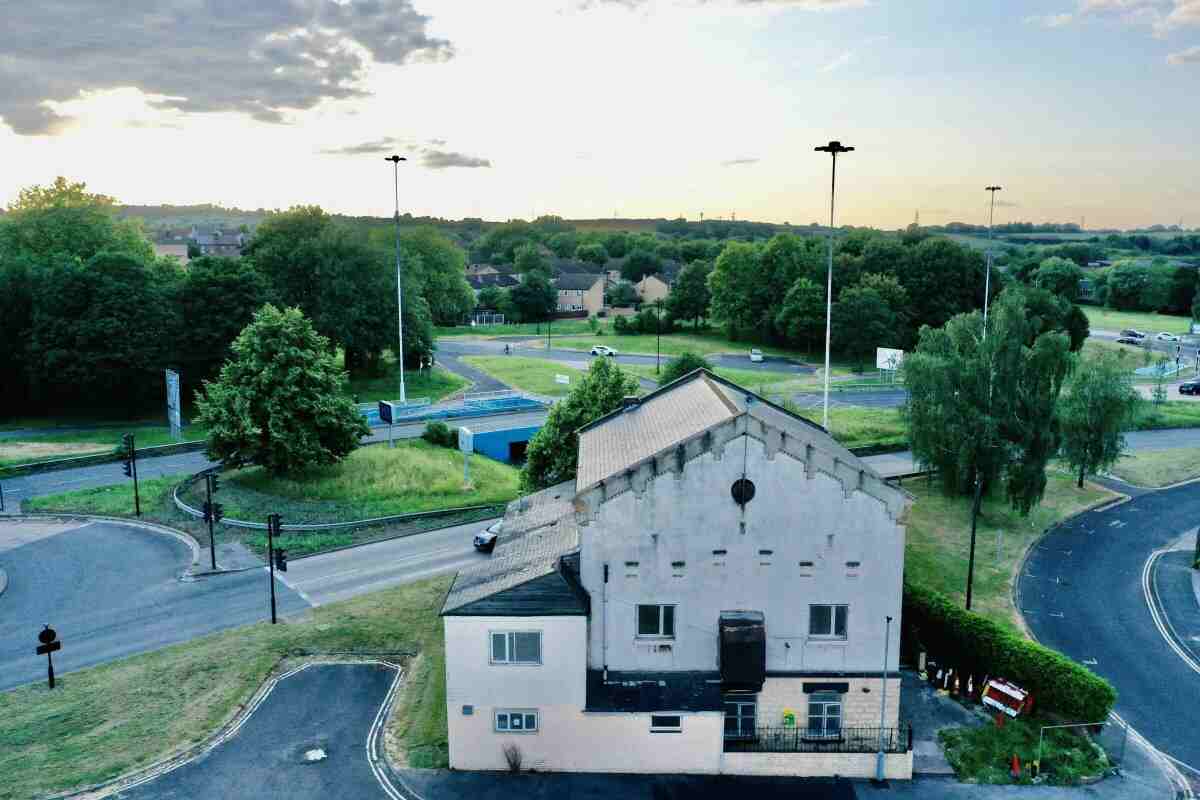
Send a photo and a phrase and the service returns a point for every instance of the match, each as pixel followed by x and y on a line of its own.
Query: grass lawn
pixel 856 426
pixel 534 375
pixel 703 342
pixel 49 446
pixel 564 326
pixel 1108 319
pixel 107 720
pixel 373 481
pixel 435 384
pixel 939 536
pixel 1158 467
pixel 984 754
pixel 752 379
pixel 1171 414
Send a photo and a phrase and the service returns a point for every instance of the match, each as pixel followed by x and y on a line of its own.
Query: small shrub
pixel 681 365
pixel 440 435
pixel 513 757
pixel 622 327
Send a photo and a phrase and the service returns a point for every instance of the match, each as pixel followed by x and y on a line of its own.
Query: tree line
pixel 91 316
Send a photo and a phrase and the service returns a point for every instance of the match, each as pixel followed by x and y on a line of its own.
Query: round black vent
pixel 742 491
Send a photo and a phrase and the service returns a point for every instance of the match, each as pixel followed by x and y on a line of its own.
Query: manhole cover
pixel 315 754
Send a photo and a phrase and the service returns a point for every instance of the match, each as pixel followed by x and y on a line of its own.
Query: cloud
pixel 1189 56
pixel 387 143
pixel 1007 204
pixel 1162 15
pixel 1050 20
pixel 262 59
pixel 805 5
pixel 739 162
pixel 839 62
pixel 441 159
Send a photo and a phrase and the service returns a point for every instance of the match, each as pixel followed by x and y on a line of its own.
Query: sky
pixel 1083 110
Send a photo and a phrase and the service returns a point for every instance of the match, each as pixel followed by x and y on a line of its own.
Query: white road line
pixel 1160 621
pixel 295 589
pixel 1168 763
pixel 379 770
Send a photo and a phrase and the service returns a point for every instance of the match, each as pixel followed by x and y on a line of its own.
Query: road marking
pixel 1169 764
pixel 1089 662
pixel 1117 523
pixel 1057 614
pixel 374 565
pixel 373 757
pixel 293 587
pixel 1163 624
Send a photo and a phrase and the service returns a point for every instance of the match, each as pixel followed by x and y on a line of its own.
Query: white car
pixel 756 356
pixel 1166 337
pixel 601 350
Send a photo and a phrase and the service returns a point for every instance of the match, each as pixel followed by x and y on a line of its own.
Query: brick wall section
pixel 897 766
pixel 859 708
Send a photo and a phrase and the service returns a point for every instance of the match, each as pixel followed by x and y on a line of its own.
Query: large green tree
pixel 281 400
pixel 101 331
pixel 345 286
pixel 1060 276
pixel 801 318
pixel 862 321
pixel 533 299
pixel 216 299
pixel 942 278
pixel 1098 403
pixel 983 408
pixel 681 365
pixel 736 283
pixel 554 450
pixel 640 263
pixel 434 267
pixel 689 296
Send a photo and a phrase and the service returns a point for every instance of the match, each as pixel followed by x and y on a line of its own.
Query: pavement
pixel 112 590
pixel 1091 590
pixel 307 740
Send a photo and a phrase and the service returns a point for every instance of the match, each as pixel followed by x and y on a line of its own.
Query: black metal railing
pixel 800 740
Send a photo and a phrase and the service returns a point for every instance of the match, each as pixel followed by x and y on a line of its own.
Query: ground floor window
pixel 740 714
pixel 521 721
pixel 825 714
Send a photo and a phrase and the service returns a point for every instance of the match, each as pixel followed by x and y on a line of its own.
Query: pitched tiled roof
pixel 490 279
pixel 572 281
pixel 662 419
pixel 527 561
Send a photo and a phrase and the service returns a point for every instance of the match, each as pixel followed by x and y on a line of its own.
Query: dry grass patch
pixel 1159 467
pixel 19 452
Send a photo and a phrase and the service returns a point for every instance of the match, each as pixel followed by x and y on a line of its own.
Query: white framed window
pixel 516 720
pixel 741 712
pixel 516 647
pixel 666 723
pixel 656 621
pixel 824 715
pixel 827 621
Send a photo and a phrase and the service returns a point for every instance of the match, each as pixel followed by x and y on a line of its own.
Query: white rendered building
pixel 709 595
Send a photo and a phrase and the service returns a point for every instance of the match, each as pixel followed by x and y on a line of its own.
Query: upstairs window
pixel 517 647
pixel 828 622
pixel 656 621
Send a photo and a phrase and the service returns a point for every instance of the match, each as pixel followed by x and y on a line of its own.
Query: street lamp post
pixel 833 148
pixel 399 288
pixel 657 334
pixel 881 758
pixel 987 279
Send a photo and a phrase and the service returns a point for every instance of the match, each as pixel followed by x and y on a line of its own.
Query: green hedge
pixel 968 641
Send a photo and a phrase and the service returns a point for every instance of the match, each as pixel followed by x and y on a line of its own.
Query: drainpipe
pixel 604 623
pixel 880 761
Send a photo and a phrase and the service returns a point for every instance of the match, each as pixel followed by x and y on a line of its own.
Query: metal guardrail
pixel 310 527
pixel 483 397
pixel 799 740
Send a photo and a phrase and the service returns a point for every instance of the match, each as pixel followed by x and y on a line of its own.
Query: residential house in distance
pixel 179 252
pixel 580 292
pixel 652 288
pixel 714 592
pixel 217 242
pixel 499 280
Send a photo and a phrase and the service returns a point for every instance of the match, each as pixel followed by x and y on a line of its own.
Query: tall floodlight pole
pixel 833 148
pixel 987 279
pixel 399 288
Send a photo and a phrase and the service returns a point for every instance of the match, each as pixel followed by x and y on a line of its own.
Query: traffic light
pixel 127 468
pixel 281 560
pixel 127 447
pixel 216 482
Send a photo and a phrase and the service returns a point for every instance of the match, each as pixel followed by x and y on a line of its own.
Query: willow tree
pixel 1099 402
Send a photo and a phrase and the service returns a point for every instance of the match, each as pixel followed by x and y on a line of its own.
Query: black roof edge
pixel 699 371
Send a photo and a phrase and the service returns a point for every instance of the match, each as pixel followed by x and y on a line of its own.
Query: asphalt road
pixel 112 590
pixel 343 574
pixel 1083 593
pixel 306 741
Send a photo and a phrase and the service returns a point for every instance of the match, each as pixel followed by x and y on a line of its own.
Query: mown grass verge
pixel 373 481
pixel 107 720
pixel 534 375
pixel 984 754
pixel 1155 468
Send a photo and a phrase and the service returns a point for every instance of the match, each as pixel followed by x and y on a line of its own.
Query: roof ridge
pixel 724 398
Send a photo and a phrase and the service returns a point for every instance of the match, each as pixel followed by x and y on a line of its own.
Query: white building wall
pixel 794 517
pixel 860 709
pixel 897 766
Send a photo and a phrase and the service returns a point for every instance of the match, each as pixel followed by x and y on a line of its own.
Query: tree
pixel 217 299
pixel 65 220
pixel 862 321
pixel 801 318
pixel 435 268
pixel 100 331
pixel 689 296
pixel 1098 402
pixel 490 297
pixel 1126 281
pixel 16 318
pixel 617 244
pixel 1060 276
pixel 554 450
pixel 982 409
pixel 281 400
pixel 534 299
pixel 681 365
pixel 623 295
pixel 640 263
pixel 592 253
pixel 529 259
pixel 942 278
pixel 737 301
pixel 563 244
pixel 343 284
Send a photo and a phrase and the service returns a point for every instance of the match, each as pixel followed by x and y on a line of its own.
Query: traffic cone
pixel 1016 767
pixel 955 690
pixel 971 686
